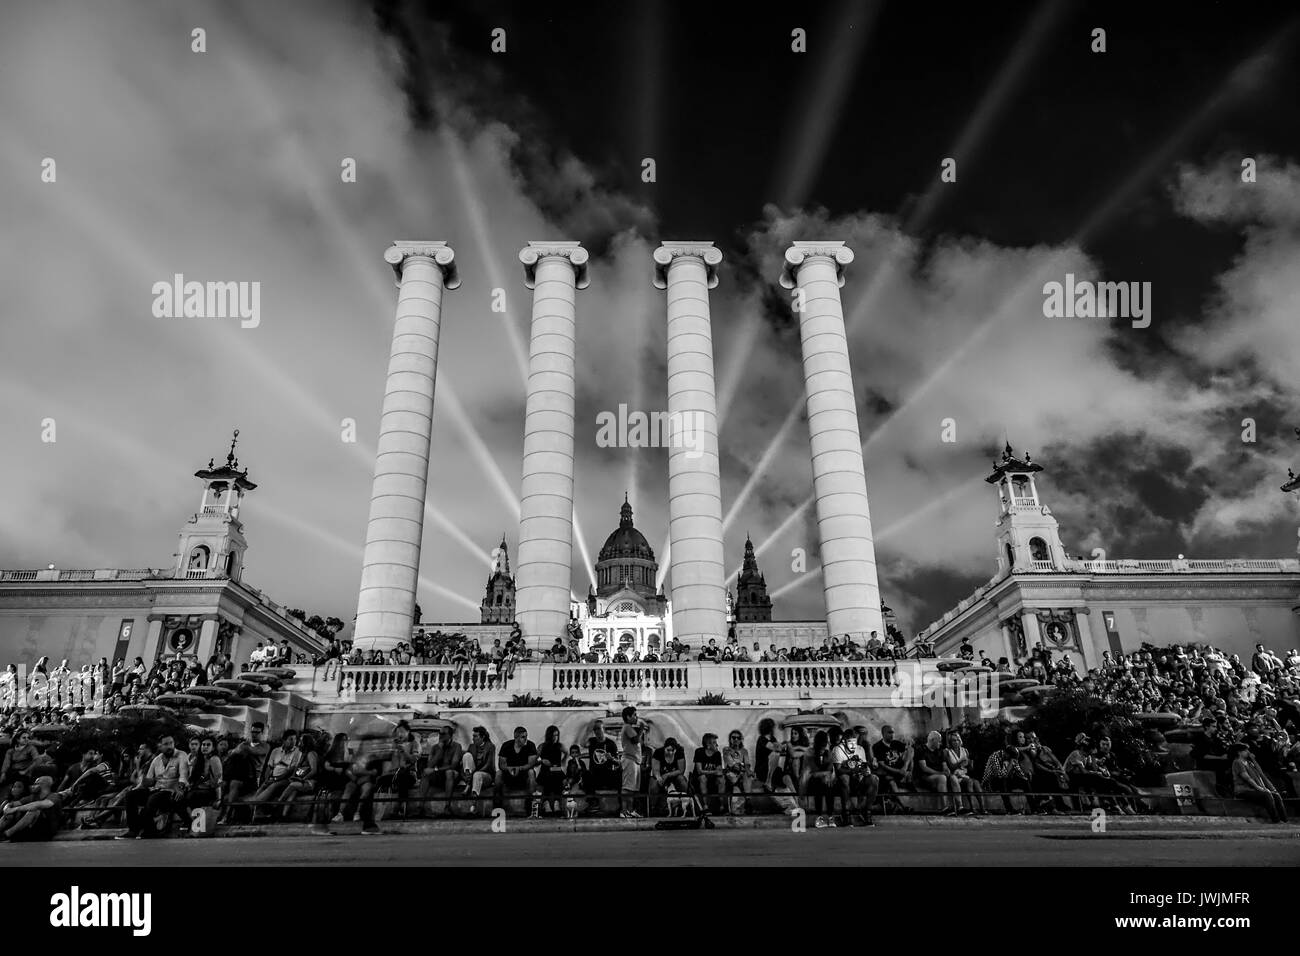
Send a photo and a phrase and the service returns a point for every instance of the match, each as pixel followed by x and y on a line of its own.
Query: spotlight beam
pixel 1009 77
pixel 800 581
pixel 764 462
pixel 472 202
pixel 823 103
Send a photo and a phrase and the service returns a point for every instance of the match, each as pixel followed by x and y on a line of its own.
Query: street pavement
pixel 884 845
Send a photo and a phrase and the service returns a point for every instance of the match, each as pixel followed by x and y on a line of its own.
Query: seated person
pixel 359 793
pixel 1004 771
pixel 93 777
pixel 18 759
pixel 1251 783
pixel 821 779
pixel 37 817
pixel 399 772
pixel 854 781
pixel 709 776
pixel 604 769
pixel 668 770
pixel 736 768
pixel 711 652
pixel 479 764
pixel 1047 774
pixel 205 774
pixel 1121 783
pixel 771 768
pixel 960 767
pixel 550 770
pixel 304 778
pixel 575 771
pixel 893 762
pixel 517 767
pixel 165 785
pixel 442 772
pixel 932 773
pixel 239 773
pixel 284 760
pixel 16 797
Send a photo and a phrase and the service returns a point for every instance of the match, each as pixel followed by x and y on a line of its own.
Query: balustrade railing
pixel 671 683
pixel 861 676
pixel 621 677
pixel 412 679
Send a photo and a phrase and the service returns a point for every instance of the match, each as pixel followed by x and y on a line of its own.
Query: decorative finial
pixel 1027 458
pixel 230 457
pixel 1006 452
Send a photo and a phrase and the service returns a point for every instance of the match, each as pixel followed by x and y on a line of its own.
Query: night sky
pixel 1122 165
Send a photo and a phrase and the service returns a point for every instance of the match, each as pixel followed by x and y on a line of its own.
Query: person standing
pixel 630 762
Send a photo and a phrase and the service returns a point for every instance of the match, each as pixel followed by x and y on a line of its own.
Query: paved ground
pixel 884 845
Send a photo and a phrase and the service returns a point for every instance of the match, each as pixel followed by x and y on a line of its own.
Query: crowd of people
pixel 469 652
pixel 1243 721
pixel 57 694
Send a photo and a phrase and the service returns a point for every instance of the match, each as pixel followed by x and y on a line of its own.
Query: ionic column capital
pixel 799 252
pixel 534 252
pixel 669 251
pixel 441 253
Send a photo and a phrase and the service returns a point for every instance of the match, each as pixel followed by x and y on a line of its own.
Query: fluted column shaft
pixel 848 554
pixel 390 566
pixel 687 270
pixel 543 579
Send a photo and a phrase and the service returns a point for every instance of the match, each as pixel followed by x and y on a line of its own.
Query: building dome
pixel 626 541
pixel 626 560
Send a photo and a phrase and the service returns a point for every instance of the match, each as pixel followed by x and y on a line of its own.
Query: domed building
pixel 626 610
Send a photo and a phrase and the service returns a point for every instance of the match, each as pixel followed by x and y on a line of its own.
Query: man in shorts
pixel 630 761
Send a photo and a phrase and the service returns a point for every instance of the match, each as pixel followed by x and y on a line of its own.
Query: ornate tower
pixel 1028 535
pixel 499 599
pixel 212 542
pixel 752 602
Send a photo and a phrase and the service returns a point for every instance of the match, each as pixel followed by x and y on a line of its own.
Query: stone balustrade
pixel 684 683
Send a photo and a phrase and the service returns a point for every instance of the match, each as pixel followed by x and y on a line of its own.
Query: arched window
pixel 199 557
pixel 1038 549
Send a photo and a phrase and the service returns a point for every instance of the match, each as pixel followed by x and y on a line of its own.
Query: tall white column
pixel 848 553
pixel 543 579
pixel 688 270
pixel 391 562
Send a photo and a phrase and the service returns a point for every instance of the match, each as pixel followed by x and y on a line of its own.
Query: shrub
pixel 526 700
pixel 460 703
pixel 572 702
pixel 712 699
